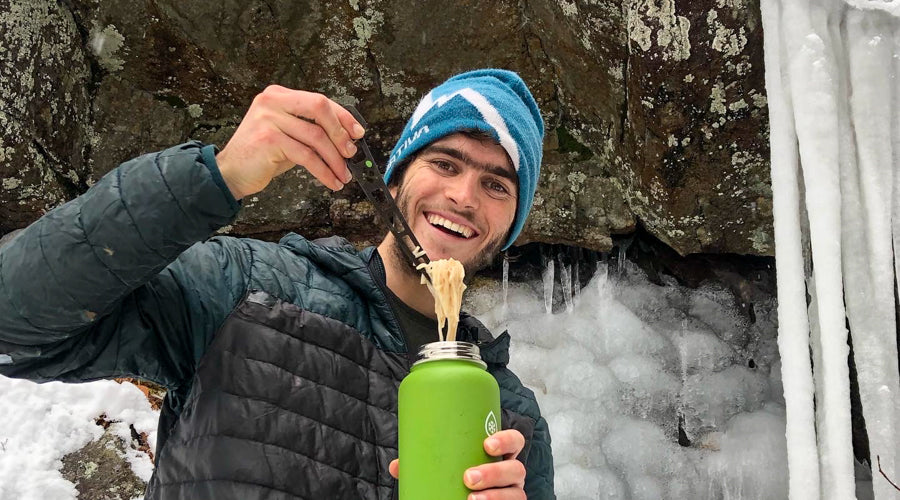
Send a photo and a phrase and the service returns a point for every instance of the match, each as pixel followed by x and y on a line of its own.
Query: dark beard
pixel 482 259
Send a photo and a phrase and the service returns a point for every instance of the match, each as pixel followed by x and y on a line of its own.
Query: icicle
pixel 623 247
pixel 868 260
pixel 819 92
pixel 793 327
pixel 565 279
pixel 576 280
pixel 601 275
pixel 548 286
pixel 505 284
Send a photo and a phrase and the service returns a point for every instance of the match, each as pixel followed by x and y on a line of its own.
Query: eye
pixel 443 165
pixel 497 186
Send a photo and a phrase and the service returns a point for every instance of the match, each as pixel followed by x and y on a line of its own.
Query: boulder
pixel 655 111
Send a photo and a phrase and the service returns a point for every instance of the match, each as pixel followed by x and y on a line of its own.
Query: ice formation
pixel 631 367
pixel 831 70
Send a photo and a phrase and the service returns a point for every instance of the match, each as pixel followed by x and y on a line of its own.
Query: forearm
pixel 73 265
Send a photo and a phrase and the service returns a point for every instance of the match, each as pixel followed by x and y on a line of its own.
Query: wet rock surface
pixel 655 110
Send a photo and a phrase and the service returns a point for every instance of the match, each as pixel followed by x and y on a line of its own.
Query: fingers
pixel 507 443
pixel 500 480
pixel 349 122
pixel 315 138
pixel 283 128
pixel 499 494
pixel 299 154
pixel 495 481
pixel 336 121
pixel 506 474
pixel 394 468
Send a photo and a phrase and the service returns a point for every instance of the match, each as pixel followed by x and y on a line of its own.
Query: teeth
pixel 457 228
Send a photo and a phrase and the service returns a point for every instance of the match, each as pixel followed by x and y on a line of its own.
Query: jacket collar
pixel 339 257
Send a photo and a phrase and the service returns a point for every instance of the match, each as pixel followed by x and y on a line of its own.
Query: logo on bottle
pixel 490 424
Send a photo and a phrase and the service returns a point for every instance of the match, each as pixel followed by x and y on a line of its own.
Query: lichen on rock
pixel 105 44
pixel 647 18
pixel 43 107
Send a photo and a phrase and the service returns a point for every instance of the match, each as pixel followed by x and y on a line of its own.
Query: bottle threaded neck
pixel 458 351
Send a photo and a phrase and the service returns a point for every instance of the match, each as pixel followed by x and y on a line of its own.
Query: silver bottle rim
pixel 459 351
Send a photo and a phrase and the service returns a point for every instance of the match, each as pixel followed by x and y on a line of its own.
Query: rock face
pixel 45 83
pixel 655 111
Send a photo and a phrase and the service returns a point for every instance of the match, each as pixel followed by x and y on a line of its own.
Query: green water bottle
pixel 448 405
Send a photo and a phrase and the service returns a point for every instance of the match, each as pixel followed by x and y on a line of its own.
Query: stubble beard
pixel 479 261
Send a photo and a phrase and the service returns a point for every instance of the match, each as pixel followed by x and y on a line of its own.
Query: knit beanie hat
pixel 494 101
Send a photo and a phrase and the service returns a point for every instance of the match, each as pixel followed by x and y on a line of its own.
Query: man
pixel 282 361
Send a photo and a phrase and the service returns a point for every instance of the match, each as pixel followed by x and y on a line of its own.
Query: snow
pixel 616 375
pixel 41 423
pixel 830 79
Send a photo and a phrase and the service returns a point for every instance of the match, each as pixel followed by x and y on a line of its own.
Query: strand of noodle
pixel 447 288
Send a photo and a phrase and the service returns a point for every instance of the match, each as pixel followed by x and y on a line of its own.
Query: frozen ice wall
pixel 831 79
pixel 617 374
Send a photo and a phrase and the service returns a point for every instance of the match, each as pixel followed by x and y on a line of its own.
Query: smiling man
pixel 456 206
pixel 282 361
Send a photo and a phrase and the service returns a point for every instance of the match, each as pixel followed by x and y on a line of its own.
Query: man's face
pixel 466 184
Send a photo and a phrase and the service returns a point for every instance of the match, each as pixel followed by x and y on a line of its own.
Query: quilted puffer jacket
pixel 282 361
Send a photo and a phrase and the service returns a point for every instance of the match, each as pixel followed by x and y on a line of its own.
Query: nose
pixel 462 190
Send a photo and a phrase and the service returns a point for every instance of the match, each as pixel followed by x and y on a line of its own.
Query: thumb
pixel 394 468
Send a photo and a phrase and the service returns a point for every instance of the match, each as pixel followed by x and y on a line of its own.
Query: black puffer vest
pixel 290 404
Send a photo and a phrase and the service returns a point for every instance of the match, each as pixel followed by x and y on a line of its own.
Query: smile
pixel 452 227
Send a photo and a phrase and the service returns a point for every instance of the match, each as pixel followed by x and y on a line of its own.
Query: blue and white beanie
pixel 494 101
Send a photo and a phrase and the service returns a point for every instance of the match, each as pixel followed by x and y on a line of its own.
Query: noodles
pixel 447 288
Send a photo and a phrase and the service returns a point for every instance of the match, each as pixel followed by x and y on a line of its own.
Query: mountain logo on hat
pixel 488 112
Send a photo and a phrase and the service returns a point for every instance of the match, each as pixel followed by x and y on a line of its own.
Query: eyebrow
pixel 497 170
